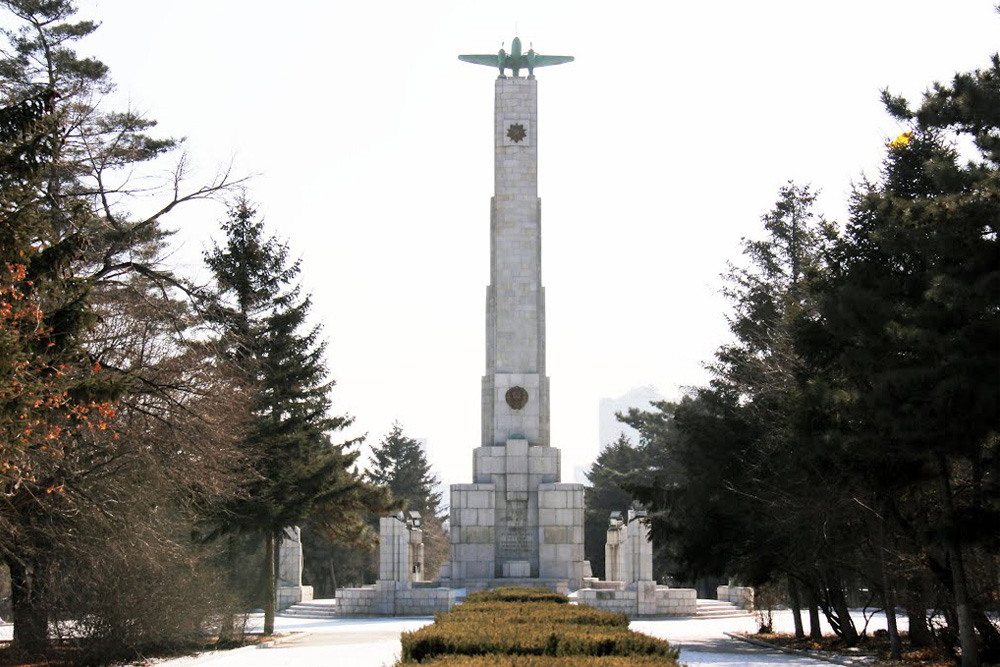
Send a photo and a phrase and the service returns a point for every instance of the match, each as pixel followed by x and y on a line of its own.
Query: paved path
pixel 374 642
pixel 702 643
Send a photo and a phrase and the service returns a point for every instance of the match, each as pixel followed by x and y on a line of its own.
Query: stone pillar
pixel 394 550
pixel 640 548
pixel 416 555
pixel 290 589
pixel 614 567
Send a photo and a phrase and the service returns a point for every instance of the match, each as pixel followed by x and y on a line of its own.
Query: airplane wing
pixel 542 61
pixel 484 59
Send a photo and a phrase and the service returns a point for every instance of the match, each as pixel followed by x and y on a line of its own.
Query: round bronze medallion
pixel 516 397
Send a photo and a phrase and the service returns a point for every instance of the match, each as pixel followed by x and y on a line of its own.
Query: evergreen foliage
pixel 910 323
pixel 300 473
pixel 399 464
pixel 848 439
pixel 609 477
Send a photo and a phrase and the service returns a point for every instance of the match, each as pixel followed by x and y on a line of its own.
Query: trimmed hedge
pixel 550 661
pixel 529 614
pixel 531 627
pixel 512 594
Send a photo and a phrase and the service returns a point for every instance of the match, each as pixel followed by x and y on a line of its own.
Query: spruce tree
pixel 399 464
pixel 262 318
pixel 910 321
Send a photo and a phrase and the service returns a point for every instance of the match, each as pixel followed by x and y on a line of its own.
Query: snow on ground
pixel 374 642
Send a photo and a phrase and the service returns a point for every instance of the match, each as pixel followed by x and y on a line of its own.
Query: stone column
pixel 394 550
pixel 613 551
pixel 640 549
pixel 416 561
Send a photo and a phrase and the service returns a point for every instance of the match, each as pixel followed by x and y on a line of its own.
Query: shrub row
pixel 512 594
pixel 551 661
pixel 529 614
pixel 530 627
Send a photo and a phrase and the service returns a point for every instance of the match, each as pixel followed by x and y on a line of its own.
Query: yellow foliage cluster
pixel 902 140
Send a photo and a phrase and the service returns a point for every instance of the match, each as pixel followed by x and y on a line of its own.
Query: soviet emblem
pixel 516 397
pixel 516 132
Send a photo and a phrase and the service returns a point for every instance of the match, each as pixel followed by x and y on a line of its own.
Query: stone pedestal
pixel 516 521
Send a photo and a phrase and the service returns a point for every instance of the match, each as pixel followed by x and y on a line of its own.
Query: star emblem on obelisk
pixel 516 132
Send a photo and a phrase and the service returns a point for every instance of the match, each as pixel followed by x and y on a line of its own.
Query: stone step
pixel 313 609
pixel 739 613
pixel 719 609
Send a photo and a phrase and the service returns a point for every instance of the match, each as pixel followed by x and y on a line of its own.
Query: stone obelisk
pixel 515 387
pixel 516 521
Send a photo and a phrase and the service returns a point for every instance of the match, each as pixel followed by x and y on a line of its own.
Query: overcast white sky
pixel 659 148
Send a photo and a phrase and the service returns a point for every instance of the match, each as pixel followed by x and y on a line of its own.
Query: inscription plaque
pixel 514 543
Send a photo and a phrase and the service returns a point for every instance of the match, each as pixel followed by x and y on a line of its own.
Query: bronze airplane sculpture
pixel 516 60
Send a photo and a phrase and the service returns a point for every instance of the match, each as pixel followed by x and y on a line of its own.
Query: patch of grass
pixel 873 646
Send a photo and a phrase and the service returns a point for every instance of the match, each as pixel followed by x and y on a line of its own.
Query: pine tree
pixel 737 482
pixel 300 472
pixel 690 453
pixel 399 464
pixel 910 321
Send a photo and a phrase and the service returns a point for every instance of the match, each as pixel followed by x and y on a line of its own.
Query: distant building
pixel 609 427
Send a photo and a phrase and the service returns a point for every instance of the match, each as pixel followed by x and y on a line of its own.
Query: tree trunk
pixel 963 611
pixel 989 636
pixel 889 597
pixel 815 630
pixel 916 613
pixel 793 594
pixel 895 646
pixel 227 630
pixel 29 605
pixel 839 604
pixel 960 586
pixel 271 582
